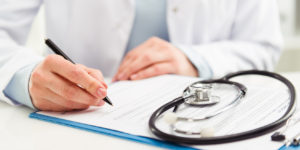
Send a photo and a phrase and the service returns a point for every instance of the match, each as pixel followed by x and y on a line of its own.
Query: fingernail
pixel 134 76
pixel 120 76
pixel 101 92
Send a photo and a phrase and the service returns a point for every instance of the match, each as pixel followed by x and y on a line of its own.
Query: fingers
pixel 40 102
pixel 154 70
pixel 47 105
pixel 144 61
pixel 58 85
pixel 72 92
pixel 129 58
pixel 68 104
pixel 76 74
pixel 153 51
pixel 94 73
pixel 133 54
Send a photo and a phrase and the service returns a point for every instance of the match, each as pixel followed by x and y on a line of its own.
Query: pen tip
pixel 106 99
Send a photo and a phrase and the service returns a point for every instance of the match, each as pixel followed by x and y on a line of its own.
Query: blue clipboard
pixel 110 132
pixel 122 135
pixel 292 147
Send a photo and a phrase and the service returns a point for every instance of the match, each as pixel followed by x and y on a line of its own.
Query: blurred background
pixel 290 23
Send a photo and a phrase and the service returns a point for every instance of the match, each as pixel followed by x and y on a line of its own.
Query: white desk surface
pixel 18 131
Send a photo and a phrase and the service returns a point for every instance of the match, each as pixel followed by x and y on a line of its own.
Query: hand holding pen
pixel 54 86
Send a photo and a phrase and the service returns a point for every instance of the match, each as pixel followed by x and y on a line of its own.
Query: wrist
pixel 198 62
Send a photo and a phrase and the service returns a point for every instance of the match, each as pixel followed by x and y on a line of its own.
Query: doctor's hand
pixel 58 85
pixel 152 58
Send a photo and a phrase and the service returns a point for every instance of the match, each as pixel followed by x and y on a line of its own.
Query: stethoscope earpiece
pixel 207 132
pixel 170 117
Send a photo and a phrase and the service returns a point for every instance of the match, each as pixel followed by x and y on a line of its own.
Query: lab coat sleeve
pixel 16 17
pixel 255 41
pixel 203 68
pixel 17 89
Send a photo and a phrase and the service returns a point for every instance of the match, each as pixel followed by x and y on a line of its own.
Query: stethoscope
pixel 199 94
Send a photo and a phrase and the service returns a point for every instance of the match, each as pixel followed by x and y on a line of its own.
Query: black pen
pixel 58 51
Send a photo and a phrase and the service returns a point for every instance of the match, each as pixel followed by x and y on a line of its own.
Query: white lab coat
pixel 230 35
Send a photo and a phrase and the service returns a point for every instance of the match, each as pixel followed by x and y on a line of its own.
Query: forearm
pixel 230 56
pixel 254 42
pixel 15 23
pixel 13 58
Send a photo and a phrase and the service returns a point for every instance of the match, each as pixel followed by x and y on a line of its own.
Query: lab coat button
pixel 175 9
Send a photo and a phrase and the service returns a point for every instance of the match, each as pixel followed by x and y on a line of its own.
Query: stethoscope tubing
pixel 233 137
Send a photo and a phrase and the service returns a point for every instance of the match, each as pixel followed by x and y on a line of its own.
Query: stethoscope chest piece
pixel 200 94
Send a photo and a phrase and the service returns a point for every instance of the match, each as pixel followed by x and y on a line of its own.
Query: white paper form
pixel 135 101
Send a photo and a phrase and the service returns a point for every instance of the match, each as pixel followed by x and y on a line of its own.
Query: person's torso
pixel 95 33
